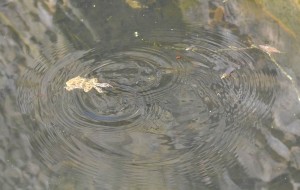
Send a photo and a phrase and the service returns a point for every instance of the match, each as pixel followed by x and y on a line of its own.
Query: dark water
pixel 195 102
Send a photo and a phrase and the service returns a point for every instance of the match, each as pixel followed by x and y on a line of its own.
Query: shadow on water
pixel 189 107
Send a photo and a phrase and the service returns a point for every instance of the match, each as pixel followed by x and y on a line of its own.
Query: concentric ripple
pixel 169 112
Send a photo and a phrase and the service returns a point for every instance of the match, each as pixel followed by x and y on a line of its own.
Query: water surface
pixel 195 103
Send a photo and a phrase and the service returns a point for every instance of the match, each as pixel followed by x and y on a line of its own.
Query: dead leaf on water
pixel 85 84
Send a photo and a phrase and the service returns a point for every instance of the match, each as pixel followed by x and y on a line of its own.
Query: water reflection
pixel 170 118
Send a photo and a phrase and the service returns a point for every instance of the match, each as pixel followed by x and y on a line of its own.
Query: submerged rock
pixel 295 157
pixel 260 165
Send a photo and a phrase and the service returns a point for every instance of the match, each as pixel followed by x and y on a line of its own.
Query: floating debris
pixel 136 34
pixel 191 48
pixel 227 72
pixel 135 4
pixel 268 49
pixel 178 57
pixel 85 84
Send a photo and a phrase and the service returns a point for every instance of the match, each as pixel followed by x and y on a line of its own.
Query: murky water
pixel 193 103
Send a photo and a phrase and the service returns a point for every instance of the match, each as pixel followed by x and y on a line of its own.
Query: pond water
pixel 149 95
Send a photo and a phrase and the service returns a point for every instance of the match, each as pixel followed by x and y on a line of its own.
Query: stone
pixel 44 180
pixel 259 164
pixel 33 169
pixel 294 127
pixel 280 183
pixel 227 183
pixel 277 146
pixel 7 187
pixel 18 158
pixel 13 174
pixel 2 155
pixel 295 157
pixel 26 145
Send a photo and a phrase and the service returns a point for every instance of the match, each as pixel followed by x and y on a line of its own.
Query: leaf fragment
pixel 268 49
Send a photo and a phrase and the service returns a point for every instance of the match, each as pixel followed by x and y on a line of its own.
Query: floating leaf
pixel 85 84
pixel 268 49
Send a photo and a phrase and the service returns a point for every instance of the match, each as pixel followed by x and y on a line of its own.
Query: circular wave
pixel 169 108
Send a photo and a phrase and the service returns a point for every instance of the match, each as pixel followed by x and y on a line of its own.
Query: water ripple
pixel 169 111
